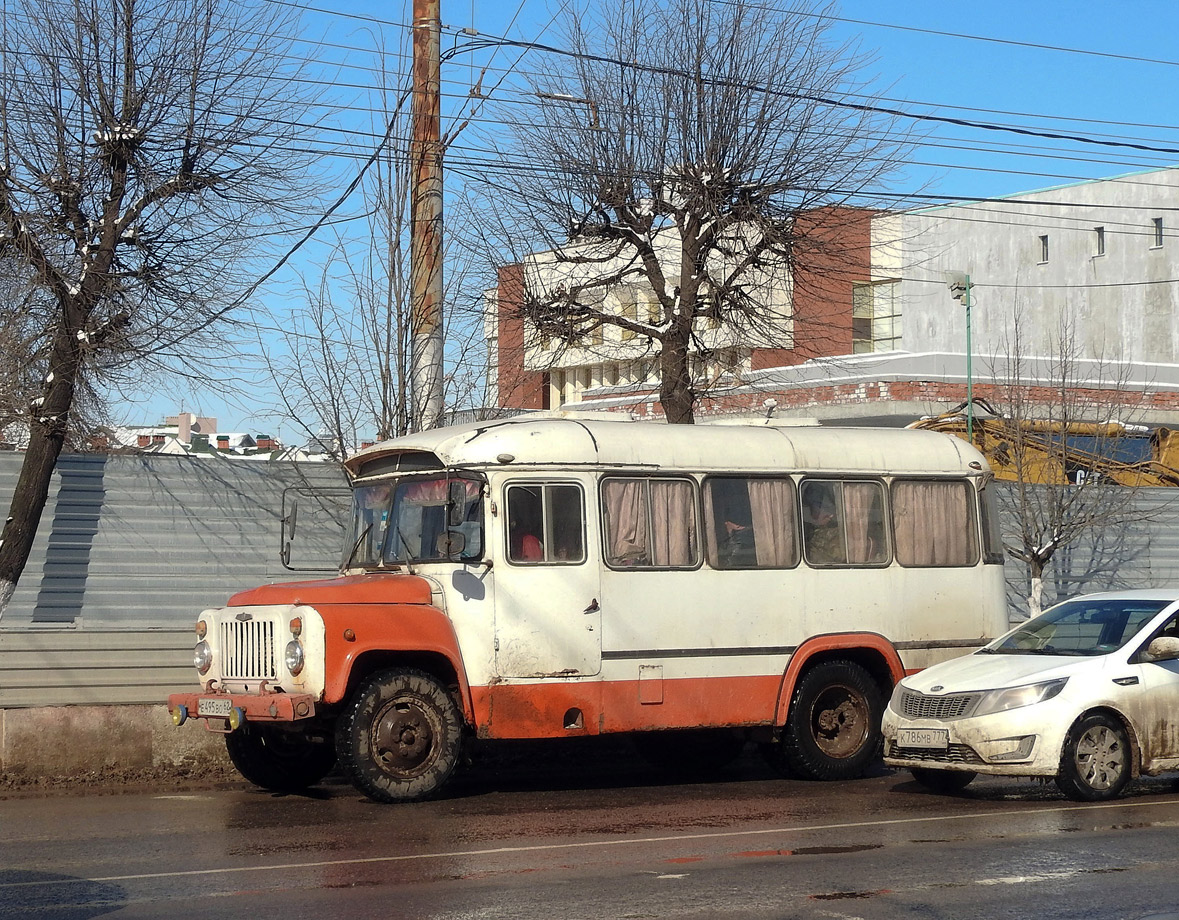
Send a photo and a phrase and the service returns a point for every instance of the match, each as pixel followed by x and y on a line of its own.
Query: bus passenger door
pixel 547 613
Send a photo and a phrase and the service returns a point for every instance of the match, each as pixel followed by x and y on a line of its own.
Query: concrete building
pixel 806 315
pixel 1089 270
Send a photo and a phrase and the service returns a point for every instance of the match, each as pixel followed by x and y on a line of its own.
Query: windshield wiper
pixel 408 551
pixel 355 546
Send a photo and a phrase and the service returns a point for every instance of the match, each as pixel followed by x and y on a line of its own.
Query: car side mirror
pixel 1164 648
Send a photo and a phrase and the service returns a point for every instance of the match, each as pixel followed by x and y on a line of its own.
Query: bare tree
pixel 699 158
pixel 1066 440
pixel 345 371
pixel 144 145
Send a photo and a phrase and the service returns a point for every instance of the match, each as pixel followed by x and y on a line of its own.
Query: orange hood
pixel 383 588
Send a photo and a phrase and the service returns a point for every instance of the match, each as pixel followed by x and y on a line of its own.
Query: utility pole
pixel 425 249
pixel 959 285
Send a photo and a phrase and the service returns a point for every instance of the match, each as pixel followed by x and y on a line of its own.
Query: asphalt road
pixel 587 831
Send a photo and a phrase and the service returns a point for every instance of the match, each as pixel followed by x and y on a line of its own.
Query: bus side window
pixel 843 523
pixel 933 523
pixel 564 529
pixel 545 524
pixel 650 523
pixel 751 522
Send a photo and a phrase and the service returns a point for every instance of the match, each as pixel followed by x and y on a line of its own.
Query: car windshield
pixel 1095 626
pixel 419 520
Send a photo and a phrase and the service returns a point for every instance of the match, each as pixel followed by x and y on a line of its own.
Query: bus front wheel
pixel 833 730
pixel 401 737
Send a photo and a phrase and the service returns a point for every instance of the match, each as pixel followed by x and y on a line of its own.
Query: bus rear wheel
pixel 401 737
pixel 833 730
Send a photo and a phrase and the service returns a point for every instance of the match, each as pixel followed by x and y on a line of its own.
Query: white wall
pixel 1116 314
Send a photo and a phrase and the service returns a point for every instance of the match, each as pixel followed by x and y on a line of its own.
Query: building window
pixel 630 311
pixel 876 317
pixel 1043 249
pixel 1157 225
pixel 1099 233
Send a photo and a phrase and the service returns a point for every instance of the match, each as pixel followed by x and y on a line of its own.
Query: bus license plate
pixel 221 709
pixel 930 739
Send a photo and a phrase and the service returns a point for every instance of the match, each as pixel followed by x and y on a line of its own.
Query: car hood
pixel 991 672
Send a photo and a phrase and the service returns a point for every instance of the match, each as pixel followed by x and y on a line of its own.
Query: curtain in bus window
pixel 933 525
pixel 673 516
pixel 713 524
pixel 863 512
pixel 771 502
pixel 625 507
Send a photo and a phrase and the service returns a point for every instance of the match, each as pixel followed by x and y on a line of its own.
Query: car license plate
pixel 221 709
pixel 930 739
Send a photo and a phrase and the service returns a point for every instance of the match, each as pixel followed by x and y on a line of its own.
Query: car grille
pixel 247 650
pixel 921 706
pixel 956 753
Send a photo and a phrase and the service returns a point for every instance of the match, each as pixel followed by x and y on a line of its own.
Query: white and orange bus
pixel 553 576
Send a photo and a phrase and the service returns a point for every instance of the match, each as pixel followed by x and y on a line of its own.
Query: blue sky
pixel 1079 68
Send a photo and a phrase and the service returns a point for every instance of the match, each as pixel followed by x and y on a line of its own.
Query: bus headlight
pixel 294 656
pixel 202 657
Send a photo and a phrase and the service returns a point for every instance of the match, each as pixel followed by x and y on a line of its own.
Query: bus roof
pixel 562 442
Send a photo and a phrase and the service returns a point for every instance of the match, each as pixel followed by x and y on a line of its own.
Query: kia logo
pixel 936 689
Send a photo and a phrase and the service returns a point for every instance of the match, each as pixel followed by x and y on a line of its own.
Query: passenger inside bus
pixel 737 549
pixel 526 547
pixel 822 532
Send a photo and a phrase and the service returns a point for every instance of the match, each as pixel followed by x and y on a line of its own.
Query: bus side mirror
pixel 287 527
pixel 451 543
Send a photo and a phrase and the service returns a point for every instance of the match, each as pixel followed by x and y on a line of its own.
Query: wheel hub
pixel 1100 758
pixel 402 738
pixel 840 722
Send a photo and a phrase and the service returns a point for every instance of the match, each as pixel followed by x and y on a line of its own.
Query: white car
pixel 1086 693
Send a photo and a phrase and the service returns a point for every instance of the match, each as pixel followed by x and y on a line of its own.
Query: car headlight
pixel 1015 697
pixel 294 656
pixel 898 692
pixel 202 657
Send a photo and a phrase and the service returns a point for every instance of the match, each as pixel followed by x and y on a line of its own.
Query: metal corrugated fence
pixel 1143 553
pixel 131 548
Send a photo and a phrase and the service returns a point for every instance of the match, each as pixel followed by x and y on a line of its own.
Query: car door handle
pixel 593 607
pixel 1125 681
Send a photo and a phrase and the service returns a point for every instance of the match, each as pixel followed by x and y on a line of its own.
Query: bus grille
pixel 920 706
pixel 247 650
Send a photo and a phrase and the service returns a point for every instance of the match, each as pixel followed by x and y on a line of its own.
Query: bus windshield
pixel 420 520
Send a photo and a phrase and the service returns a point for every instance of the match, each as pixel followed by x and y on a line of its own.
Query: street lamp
pixel 959 284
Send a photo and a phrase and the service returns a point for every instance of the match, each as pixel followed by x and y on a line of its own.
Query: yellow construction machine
pixel 1058 453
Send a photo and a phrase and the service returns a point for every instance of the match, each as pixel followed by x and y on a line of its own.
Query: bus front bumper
pixel 228 710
